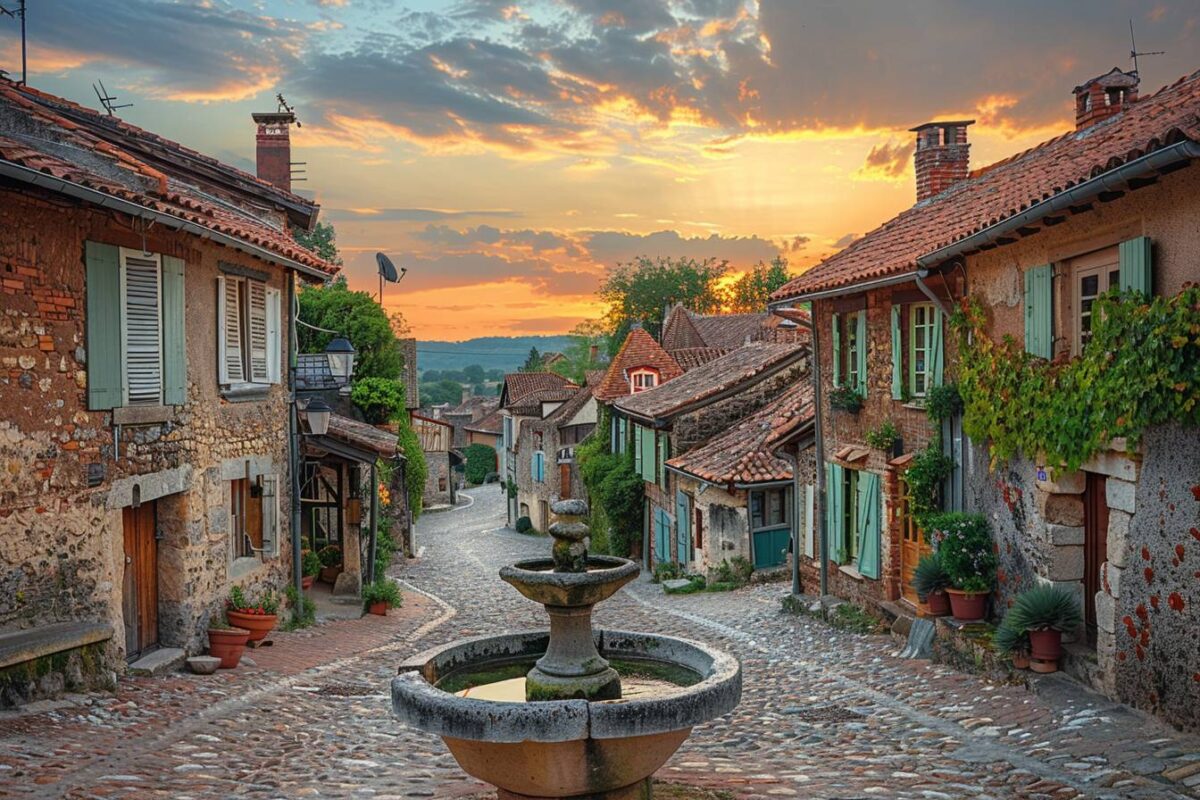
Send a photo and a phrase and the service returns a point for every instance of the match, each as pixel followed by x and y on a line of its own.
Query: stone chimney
pixel 1104 96
pixel 943 157
pixel 274 152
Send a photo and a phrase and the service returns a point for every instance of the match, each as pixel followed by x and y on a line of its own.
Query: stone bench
pixel 19 647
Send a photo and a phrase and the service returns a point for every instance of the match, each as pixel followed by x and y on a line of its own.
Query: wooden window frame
pixel 1103 263
pixel 850 515
pixel 272 332
pixel 914 349
pixel 785 499
pixel 643 373
pixel 124 254
pixel 849 354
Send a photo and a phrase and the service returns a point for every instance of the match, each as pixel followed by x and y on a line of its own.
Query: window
pixel 850 351
pixel 770 526
pixel 1091 276
pixel 768 509
pixel 849 520
pixel 642 379
pixel 248 331
pixel 853 378
pixel 508 433
pixel 853 519
pixel 245 520
pixel 538 467
pixel 921 338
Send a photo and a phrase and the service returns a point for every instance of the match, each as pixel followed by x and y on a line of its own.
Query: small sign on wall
pixel 1041 474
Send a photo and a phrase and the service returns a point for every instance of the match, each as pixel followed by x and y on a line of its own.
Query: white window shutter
pixel 141 284
pixel 229 349
pixel 270 516
pixel 274 343
pixel 257 296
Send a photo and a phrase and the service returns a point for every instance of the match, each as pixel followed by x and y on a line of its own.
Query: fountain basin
pixel 537 580
pixel 565 748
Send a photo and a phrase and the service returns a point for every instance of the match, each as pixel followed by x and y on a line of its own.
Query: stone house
pixel 668 421
pixel 487 430
pixel 526 399
pixel 144 338
pixel 437 435
pixel 735 495
pixel 470 410
pixel 1034 238
pixel 555 437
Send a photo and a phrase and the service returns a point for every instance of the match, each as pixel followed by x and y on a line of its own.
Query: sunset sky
pixel 509 153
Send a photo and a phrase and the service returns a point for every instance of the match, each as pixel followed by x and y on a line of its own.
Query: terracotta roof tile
pixel 638 350
pixel 492 423
pixel 689 358
pixel 519 386
pixel 741 366
pixel 1005 189
pixel 362 435
pixel 685 330
pixel 744 454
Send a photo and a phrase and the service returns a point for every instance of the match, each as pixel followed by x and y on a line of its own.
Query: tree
pixel 443 391
pixel 577 356
pixel 752 291
pixel 380 399
pixel 322 240
pixel 356 316
pixel 480 462
pixel 473 374
pixel 643 289
pixel 415 468
pixel 534 362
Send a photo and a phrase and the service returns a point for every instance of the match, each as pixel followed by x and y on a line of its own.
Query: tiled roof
pixel 563 414
pixel 678 331
pixel 492 423
pixel 638 350
pixel 741 366
pixel 744 453
pixel 685 330
pixel 1007 188
pixel 692 357
pixel 476 407
pixel 362 435
pixel 518 386
pixel 40 136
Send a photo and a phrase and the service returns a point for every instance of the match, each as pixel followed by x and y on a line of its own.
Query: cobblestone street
pixel 825 714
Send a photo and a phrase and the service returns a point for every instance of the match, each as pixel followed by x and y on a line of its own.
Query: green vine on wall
pixel 1140 368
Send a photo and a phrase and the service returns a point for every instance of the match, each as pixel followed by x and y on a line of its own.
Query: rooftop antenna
pixel 107 100
pixel 285 108
pixel 1134 53
pixel 19 14
pixel 387 272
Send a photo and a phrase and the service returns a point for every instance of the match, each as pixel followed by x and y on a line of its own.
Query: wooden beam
pixel 1141 183
pixel 1108 197
pixel 1050 222
pixel 1080 208
pixel 1027 230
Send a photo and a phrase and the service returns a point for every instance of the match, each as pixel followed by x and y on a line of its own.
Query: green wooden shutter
pixel 834 508
pixel 860 322
pixel 1039 311
pixel 637 449
pixel 104 368
pixel 1135 260
pixel 837 350
pixel 937 350
pixel 174 345
pixel 868 524
pixel 649 455
pixel 897 357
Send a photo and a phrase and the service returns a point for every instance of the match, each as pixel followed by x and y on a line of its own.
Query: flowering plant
pixel 264 604
pixel 965 550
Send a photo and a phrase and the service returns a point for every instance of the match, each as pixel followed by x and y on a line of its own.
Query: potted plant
pixel 258 616
pixel 310 566
pixel 931 582
pixel 331 563
pixel 845 399
pixel 964 547
pixel 226 642
pixel 381 595
pixel 1043 613
pixel 1013 642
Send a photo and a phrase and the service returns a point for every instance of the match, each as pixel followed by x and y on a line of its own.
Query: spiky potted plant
pixel 931 582
pixel 965 549
pixel 381 595
pixel 1011 641
pixel 1044 613
pixel 310 567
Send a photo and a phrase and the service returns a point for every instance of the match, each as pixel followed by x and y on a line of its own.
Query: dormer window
pixel 642 379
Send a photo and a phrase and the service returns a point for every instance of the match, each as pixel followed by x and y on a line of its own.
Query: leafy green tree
pixel 443 391
pixel 641 291
pixel 480 462
pixel 380 399
pixel 473 374
pixel 356 316
pixel 322 240
pixel 752 291
pixel 578 356
pixel 533 363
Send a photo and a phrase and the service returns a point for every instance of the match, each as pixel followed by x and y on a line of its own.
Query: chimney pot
pixel 1104 96
pixel 942 158
pixel 274 148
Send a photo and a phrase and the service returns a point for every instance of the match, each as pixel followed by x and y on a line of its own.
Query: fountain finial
pixel 570 532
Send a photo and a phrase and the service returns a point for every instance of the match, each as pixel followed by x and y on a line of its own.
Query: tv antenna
pixel 1134 52
pixel 285 108
pixel 19 14
pixel 387 272
pixel 107 100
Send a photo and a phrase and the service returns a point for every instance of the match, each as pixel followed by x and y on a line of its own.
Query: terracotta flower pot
pixel 259 625
pixel 330 574
pixel 379 609
pixel 938 604
pixel 306 581
pixel 1020 660
pixel 227 645
pixel 968 606
pixel 1045 648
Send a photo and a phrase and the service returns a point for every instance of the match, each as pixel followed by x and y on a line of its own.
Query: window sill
pixel 849 570
pixel 143 415
pixel 916 405
pixel 246 392
pixel 243 566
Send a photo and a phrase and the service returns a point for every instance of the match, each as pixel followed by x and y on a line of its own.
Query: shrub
pixel 330 555
pixel 310 563
pixel 380 399
pixel 924 476
pixel 524 525
pixel 415 468
pixel 304 609
pixel 930 576
pixel 736 572
pixel 965 549
pixel 883 437
pixel 1044 607
pixel 666 571
pixel 385 546
pixel 480 462
pixel 384 591
pixel 615 491
pixel 844 398
pixel 943 402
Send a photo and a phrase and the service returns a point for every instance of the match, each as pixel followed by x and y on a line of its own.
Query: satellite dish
pixel 387 270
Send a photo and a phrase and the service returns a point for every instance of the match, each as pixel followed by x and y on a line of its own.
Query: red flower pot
pixel 968 606
pixel 1020 660
pixel 1045 647
pixel 330 574
pixel 227 645
pixel 938 604
pixel 379 609
pixel 259 625
pixel 306 581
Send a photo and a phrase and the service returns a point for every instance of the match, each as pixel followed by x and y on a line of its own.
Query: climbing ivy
pixel 1140 368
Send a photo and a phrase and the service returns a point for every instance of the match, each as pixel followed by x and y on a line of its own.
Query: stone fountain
pixel 572 712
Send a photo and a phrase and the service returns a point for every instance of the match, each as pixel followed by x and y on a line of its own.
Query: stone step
pixel 165 659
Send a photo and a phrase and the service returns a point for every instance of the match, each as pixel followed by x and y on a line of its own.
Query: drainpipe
pixel 294 436
pixel 794 461
pixel 920 276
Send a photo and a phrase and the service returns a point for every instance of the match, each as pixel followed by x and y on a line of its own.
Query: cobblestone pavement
pixel 825 714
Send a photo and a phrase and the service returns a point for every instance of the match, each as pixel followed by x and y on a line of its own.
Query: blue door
pixel 662 536
pixel 770 547
pixel 683 527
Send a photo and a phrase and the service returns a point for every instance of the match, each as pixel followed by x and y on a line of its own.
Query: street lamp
pixel 340 354
pixel 316 413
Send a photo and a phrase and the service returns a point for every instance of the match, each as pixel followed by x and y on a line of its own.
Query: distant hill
pixel 490 352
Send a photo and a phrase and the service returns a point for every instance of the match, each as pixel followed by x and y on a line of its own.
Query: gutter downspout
pixel 794 461
pixel 921 275
pixel 294 437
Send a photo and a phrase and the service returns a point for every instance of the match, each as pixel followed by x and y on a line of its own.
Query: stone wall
pixel 437 478
pixel 696 427
pixel 69 471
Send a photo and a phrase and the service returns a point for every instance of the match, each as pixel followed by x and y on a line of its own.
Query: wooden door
pixel 1095 546
pixel 564 481
pixel 140 590
pixel 912 548
pixel 683 531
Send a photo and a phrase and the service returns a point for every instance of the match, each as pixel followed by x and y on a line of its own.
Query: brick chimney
pixel 274 153
pixel 1104 96
pixel 943 157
